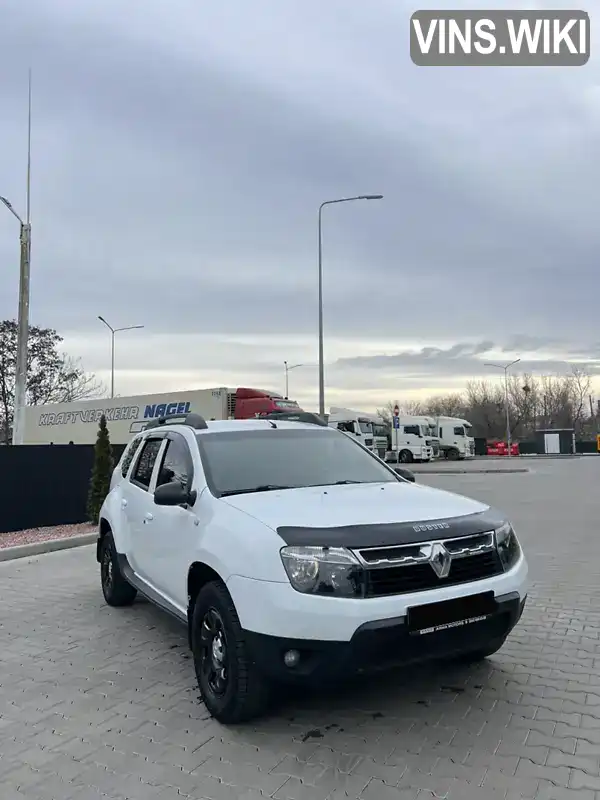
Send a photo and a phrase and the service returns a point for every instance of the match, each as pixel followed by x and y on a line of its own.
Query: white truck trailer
pixel 77 423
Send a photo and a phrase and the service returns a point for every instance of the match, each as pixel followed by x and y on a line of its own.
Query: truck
pixel 354 423
pixel 77 422
pixel 455 438
pixel 411 440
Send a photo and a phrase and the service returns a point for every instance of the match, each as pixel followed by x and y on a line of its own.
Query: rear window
pixel 129 455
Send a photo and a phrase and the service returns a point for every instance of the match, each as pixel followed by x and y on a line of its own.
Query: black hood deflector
pixel 392 533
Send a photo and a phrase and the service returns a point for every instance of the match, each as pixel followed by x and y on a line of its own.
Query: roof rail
pixel 296 416
pixel 194 421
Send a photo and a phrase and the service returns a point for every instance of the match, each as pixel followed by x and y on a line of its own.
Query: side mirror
pixel 173 494
pixel 405 473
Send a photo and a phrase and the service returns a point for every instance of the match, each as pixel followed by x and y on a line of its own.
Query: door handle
pixel 148 518
pixel 123 503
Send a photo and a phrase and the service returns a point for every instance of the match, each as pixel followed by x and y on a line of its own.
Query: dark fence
pixel 44 485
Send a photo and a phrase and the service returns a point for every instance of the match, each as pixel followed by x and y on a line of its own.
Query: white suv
pixel 294 554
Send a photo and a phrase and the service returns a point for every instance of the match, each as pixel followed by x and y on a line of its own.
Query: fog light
pixel 291 658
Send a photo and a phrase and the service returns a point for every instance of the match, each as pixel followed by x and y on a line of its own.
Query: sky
pixel 180 152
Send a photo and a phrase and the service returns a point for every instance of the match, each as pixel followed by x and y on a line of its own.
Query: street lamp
pixel 23 314
pixel 112 349
pixel 23 324
pixel 321 346
pixel 288 369
pixel 506 367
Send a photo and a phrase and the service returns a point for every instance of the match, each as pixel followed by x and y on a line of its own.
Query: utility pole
pixel 20 397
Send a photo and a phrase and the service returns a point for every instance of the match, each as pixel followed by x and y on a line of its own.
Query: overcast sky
pixel 180 153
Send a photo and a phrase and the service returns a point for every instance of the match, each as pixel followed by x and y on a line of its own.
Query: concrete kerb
pixel 50 546
pixel 506 471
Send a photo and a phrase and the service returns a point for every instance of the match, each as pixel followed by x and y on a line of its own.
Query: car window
pixel 240 460
pixel 459 431
pixel 176 463
pixel 142 473
pixel 414 429
pixel 129 455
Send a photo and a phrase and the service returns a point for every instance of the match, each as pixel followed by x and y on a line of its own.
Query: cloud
pixel 470 360
pixel 181 153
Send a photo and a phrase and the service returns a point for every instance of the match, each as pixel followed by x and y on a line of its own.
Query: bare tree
pixel 535 403
pixel 52 376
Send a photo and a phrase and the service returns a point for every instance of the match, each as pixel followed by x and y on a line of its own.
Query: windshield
pixel 242 461
pixel 286 404
pixel 380 430
pixel 469 430
pixel 366 426
pixel 426 430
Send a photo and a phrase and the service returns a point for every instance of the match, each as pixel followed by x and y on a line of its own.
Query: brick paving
pixel 101 704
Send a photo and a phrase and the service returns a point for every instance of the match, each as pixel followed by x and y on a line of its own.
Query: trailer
pixel 77 423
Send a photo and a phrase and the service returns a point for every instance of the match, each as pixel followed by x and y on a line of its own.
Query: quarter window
pixel 132 449
pixel 142 474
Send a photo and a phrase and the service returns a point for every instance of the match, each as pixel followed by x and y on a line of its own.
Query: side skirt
pixel 147 591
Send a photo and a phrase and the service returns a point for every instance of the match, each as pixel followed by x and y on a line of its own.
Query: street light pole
pixel 321 342
pixel 20 397
pixel 113 331
pixel 506 367
pixel 288 369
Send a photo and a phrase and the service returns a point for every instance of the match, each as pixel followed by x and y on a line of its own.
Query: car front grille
pixel 404 569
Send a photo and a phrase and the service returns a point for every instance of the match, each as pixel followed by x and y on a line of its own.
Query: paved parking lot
pixel 100 703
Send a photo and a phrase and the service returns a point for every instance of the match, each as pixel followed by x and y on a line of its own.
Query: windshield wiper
pixel 343 483
pixel 266 487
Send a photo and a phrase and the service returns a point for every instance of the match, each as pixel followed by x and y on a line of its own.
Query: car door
pixel 140 507
pixel 173 533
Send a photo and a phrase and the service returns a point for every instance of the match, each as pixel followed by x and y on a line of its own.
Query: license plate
pixel 448 614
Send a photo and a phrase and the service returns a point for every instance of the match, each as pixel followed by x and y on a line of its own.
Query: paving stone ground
pixel 101 704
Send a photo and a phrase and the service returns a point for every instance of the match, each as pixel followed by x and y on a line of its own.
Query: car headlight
pixel 507 545
pixel 323 570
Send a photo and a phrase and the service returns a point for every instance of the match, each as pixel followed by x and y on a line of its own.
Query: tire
pixel 115 588
pixel 239 693
pixel 406 457
pixel 452 454
pixel 485 652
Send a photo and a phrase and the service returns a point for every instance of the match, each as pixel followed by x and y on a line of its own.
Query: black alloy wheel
pixel 214 653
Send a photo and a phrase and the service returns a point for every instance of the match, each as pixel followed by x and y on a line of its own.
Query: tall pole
pixel 320 300
pixel 506 367
pixel 321 337
pixel 20 396
pixel 113 331
pixel 112 364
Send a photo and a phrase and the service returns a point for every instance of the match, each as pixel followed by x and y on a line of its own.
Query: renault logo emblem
pixel 441 560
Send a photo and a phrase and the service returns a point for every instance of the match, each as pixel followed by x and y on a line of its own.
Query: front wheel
pixel 406 456
pixel 231 687
pixel 452 454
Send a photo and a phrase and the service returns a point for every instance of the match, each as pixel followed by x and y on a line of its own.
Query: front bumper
pixel 377 645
